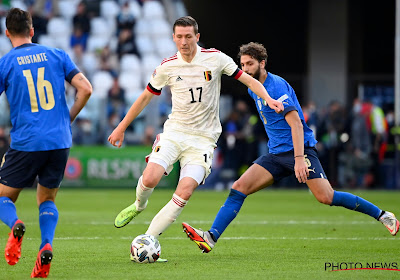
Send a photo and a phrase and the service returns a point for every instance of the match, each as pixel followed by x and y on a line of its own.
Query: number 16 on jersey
pixel 44 89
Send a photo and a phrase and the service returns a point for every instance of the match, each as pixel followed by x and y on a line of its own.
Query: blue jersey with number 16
pixel 32 77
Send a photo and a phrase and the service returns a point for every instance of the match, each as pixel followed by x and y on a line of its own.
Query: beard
pixel 256 75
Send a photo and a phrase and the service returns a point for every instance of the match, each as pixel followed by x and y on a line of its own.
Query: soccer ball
pixel 145 248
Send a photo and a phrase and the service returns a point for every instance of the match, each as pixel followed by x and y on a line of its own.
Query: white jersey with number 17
pixel 195 89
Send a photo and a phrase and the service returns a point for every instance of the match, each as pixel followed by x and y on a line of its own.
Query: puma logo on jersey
pixel 311 169
pixel 179 79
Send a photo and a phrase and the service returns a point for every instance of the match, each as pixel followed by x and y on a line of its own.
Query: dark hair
pixel 19 22
pixel 254 50
pixel 186 21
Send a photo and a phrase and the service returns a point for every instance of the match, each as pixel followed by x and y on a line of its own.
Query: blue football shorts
pixel 282 165
pixel 19 169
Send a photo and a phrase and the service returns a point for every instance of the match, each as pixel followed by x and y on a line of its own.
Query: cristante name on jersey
pixel 32 58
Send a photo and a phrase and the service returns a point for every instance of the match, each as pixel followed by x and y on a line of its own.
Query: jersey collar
pixel 268 79
pixel 198 51
pixel 25 46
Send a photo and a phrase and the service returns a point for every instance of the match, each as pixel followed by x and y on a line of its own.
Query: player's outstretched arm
pixel 84 91
pixel 116 138
pixel 260 90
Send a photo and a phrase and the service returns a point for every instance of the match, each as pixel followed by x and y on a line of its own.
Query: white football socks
pixel 142 195
pixel 166 216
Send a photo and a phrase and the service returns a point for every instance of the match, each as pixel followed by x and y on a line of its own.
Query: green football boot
pixel 126 215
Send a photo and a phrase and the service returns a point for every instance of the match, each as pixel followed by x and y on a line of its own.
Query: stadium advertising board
pixel 91 166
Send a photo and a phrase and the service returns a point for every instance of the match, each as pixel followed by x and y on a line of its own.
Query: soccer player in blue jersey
pixel 291 151
pixel 32 76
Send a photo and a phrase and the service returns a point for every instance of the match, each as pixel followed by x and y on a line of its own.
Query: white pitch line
pixel 230 238
pixel 289 222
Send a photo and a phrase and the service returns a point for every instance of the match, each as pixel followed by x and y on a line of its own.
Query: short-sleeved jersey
pixel 277 128
pixel 32 77
pixel 195 89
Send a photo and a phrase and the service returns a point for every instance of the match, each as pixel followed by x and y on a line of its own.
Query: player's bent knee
pixel 184 193
pixel 239 186
pixel 150 181
pixel 9 192
pixel 45 197
pixel 322 190
pixel 324 199
pixel 43 194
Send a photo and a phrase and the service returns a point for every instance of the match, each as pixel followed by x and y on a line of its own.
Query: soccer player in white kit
pixel 193 127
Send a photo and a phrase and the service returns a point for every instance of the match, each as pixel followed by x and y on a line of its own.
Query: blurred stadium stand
pixel 130 54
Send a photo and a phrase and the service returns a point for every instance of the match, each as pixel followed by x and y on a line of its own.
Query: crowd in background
pixel 355 145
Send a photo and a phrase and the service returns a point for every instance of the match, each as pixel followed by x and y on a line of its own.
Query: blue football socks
pixel 48 217
pixel 8 211
pixel 356 203
pixel 227 213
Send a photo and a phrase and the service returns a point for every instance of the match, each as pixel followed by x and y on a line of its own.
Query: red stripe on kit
pixel 178 202
pixel 238 74
pixel 152 91
pixel 169 59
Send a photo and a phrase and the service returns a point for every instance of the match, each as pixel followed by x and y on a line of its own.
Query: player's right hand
pixel 116 138
pixel 276 105
pixel 301 169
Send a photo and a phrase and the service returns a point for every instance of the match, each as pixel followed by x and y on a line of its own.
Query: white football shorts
pixel 188 149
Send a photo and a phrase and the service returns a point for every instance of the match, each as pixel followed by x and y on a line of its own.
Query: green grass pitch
pixel 279 234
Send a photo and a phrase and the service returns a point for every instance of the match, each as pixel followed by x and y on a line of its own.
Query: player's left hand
pixel 301 169
pixel 276 105
pixel 116 138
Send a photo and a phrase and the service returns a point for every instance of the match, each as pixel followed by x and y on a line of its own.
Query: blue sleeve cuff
pixel 289 109
pixel 72 74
